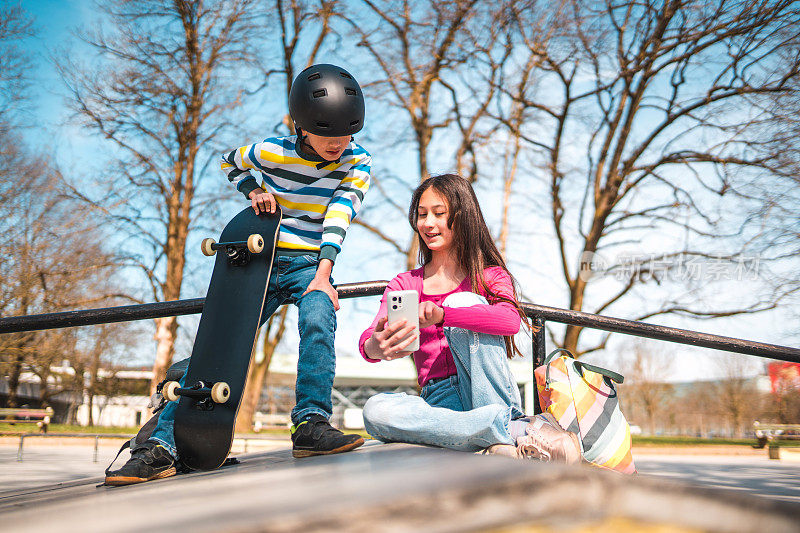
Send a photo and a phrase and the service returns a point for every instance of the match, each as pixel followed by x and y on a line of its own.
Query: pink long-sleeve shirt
pixel 434 359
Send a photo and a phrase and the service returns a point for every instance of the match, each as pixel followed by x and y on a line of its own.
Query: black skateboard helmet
pixel 326 100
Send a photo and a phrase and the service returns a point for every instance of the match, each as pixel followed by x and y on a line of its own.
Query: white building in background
pixel 119 411
pixel 356 380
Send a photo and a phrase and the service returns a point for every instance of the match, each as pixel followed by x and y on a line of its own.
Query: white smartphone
pixel 404 304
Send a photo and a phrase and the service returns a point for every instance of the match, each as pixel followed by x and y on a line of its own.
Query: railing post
pixel 539 348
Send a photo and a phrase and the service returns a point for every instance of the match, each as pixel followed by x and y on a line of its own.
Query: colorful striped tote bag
pixel 584 400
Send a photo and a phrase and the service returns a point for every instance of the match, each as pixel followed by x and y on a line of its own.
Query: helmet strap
pixel 301 138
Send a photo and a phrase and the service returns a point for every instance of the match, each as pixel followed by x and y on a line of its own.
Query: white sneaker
pixel 507 450
pixel 545 440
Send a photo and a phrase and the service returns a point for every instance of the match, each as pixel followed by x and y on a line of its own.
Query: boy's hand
pixel 430 314
pixel 262 201
pixel 322 282
pixel 389 342
pixel 325 286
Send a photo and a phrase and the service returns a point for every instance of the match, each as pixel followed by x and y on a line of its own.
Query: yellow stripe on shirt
pixel 266 155
pixel 338 214
pixel 293 246
pixel 314 208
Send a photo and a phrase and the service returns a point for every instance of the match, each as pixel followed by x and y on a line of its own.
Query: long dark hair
pixel 474 247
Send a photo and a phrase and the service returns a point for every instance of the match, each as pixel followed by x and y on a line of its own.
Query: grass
pixel 698 441
pixel 17 429
pixel 638 440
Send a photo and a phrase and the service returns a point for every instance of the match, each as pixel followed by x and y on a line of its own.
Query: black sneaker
pixel 316 436
pixel 150 461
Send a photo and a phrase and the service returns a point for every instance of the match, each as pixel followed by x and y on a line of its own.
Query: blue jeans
pixel 316 365
pixel 468 411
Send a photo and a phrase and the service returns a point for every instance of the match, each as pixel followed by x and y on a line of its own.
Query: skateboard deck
pixel 214 382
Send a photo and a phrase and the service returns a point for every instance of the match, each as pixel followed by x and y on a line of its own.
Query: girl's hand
pixel 262 201
pixel 389 342
pixel 430 314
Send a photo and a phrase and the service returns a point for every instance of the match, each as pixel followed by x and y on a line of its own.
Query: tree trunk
pixel 423 133
pixel 252 392
pixel 165 338
pixel 257 375
pixel 13 380
pixel 508 182
pixel 91 390
pixel 90 405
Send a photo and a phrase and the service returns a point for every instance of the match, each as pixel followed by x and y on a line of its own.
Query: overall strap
pixel 127 444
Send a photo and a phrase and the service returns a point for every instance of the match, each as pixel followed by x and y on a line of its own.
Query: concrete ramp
pixel 394 487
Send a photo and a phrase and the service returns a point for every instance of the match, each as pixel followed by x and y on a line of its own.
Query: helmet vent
pixel 350 92
pixel 355 123
pixel 323 125
pixel 314 76
pixel 345 75
pixel 319 93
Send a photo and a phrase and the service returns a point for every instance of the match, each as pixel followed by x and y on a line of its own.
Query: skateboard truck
pixel 238 252
pixel 207 396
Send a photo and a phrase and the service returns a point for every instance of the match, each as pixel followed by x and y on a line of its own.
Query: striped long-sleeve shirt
pixel 319 199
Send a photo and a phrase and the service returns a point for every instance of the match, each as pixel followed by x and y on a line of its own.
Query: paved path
pixel 73 459
pixel 752 474
pixel 779 480
pixel 383 488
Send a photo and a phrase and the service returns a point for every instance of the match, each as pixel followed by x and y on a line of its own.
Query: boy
pixel 319 178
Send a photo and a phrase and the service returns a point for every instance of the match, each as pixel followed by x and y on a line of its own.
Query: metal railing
pixel 125 313
pixel 245 439
pixel 95 436
pixel 538 313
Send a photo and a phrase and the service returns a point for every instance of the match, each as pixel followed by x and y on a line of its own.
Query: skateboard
pixel 213 384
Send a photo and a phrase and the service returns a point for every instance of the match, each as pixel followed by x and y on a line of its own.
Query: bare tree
pixel 645 388
pixel 51 259
pixel 298 19
pixel 515 76
pixel 735 392
pixel 16 165
pixel 776 197
pixel 259 369
pixel 95 358
pixel 416 47
pixel 641 119
pixel 51 256
pixel 161 89
pixel 15 25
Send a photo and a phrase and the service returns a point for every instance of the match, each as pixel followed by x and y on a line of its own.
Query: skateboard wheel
pixel 206 247
pixel 255 243
pixel 169 390
pixel 220 392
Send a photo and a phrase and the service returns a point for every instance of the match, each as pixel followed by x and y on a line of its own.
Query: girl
pixel 468 313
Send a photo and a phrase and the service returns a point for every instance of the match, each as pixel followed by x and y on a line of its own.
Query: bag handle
pixel 580 365
pixel 552 355
pixel 610 374
pixel 548 360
